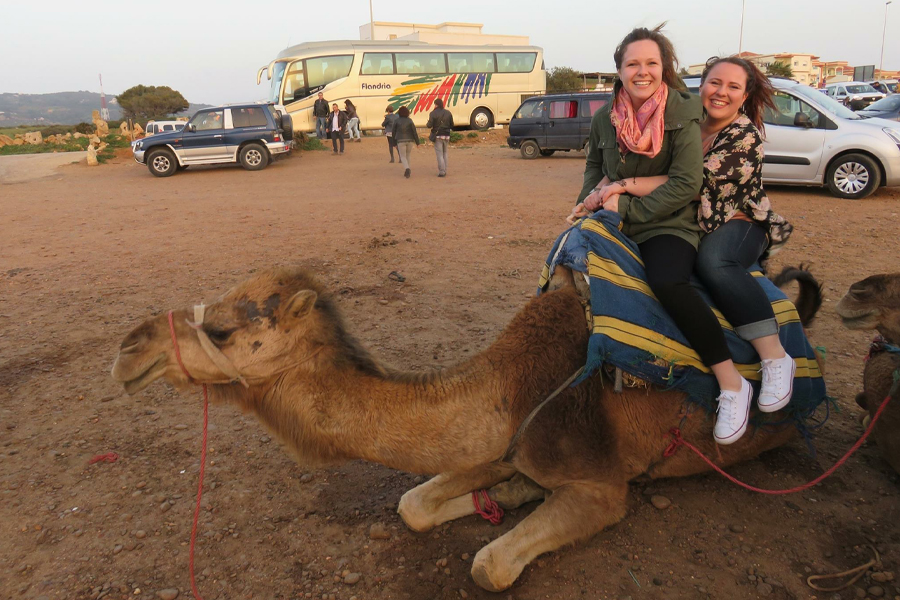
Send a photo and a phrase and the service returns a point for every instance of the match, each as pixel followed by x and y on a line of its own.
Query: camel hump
pixel 809 300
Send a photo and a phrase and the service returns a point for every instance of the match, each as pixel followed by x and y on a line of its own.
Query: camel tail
pixel 809 300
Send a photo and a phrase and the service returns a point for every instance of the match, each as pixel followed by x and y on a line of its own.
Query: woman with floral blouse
pixel 737 219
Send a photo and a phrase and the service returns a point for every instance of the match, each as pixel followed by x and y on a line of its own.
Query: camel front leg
pixel 447 496
pixel 572 513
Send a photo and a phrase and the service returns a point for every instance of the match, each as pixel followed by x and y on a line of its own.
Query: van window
pixel 787 107
pixel 515 62
pixel 420 62
pixel 168 128
pixel 377 64
pixel 592 105
pixel 250 116
pixel 563 109
pixel 471 62
pixel 533 109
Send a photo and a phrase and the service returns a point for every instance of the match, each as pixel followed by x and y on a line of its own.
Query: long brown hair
pixel 666 52
pixel 759 89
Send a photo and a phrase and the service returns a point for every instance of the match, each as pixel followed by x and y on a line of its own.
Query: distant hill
pixel 63 108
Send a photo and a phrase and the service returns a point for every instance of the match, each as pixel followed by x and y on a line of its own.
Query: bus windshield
pixel 304 78
pixel 277 76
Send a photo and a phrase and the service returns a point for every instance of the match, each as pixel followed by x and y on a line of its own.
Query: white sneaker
pixel 777 383
pixel 733 414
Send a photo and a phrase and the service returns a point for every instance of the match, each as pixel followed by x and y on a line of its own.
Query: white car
pixel 811 139
pixel 855 95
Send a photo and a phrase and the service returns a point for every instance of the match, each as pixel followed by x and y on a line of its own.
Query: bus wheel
pixel 481 119
pixel 530 149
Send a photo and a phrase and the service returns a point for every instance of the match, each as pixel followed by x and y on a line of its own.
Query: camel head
pixel 276 321
pixel 873 303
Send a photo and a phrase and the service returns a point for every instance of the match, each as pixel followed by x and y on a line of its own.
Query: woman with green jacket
pixel 652 127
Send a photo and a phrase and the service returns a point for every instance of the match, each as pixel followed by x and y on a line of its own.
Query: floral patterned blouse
pixel 732 182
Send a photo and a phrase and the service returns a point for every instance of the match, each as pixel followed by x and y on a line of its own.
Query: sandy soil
pixel 88 254
pixel 22 168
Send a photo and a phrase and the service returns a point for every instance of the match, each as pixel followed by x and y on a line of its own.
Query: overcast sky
pixel 210 51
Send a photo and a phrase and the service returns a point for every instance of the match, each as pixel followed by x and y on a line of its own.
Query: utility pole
pixel 883 31
pixel 741 38
pixel 371 22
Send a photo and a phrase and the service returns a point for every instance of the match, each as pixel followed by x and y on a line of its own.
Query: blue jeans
pixel 722 263
pixel 320 127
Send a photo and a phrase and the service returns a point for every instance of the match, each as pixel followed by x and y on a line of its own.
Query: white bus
pixel 480 85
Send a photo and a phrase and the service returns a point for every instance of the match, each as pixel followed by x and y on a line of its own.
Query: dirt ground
pixel 90 252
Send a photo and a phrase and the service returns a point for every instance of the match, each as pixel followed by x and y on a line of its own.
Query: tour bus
pixel 481 85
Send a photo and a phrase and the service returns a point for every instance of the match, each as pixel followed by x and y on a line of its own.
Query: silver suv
pixel 814 140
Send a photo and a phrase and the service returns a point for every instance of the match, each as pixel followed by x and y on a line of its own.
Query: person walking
pixel 320 112
pixel 440 121
pixel 389 119
pixel 405 134
pixel 352 120
pixel 336 122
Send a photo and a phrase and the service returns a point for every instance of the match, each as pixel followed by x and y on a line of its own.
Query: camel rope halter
pixel 215 355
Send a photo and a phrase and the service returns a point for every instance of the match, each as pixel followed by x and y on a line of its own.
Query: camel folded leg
pixel 514 493
pixel 573 512
pixel 447 496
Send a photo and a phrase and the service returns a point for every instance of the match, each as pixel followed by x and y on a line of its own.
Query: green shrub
pixel 472 134
pixel 455 137
pixel 85 128
pixel 78 145
pixel 305 142
pixel 56 130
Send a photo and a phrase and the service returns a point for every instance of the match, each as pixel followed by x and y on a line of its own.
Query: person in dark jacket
pixel 336 122
pixel 651 128
pixel 405 134
pixel 388 125
pixel 353 120
pixel 320 112
pixel 440 121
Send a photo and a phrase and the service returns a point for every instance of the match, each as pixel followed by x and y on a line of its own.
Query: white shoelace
pixel 728 402
pixel 772 371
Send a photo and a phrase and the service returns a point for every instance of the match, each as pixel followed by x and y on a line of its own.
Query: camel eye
pixel 219 336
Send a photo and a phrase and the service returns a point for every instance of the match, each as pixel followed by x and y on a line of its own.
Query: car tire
pixel 530 150
pixel 253 157
pixel 853 176
pixel 162 163
pixel 547 152
pixel 287 126
pixel 481 119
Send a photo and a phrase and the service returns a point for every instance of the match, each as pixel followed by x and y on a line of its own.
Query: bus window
pixel 515 62
pixel 295 83
pixel 377 64
pixel 471 62
pixel 420 62
pixel 322 71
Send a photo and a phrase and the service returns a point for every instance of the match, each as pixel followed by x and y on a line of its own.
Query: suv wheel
pixel 162 163
pixel 481 119
pixel 530 149
pixel 253 157
pixel 853 176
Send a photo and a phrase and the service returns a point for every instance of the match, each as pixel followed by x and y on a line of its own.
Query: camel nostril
pixel 130 348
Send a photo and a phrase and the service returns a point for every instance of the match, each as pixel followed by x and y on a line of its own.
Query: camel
pixel 874 304
pixel 328 400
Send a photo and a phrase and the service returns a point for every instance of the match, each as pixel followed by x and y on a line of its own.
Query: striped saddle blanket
pixel 631 330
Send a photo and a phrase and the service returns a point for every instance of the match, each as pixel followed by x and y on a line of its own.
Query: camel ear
pixel 300 305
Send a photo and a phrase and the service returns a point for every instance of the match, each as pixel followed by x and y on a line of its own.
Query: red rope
pixel 202 458
pixel 677 440
pixel 492 511
pixel 109 457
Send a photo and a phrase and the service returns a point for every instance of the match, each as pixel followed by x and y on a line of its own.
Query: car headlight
pixel 894 134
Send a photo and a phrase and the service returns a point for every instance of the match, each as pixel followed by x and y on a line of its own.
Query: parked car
pixel 154 127
pixel 886 108
pixel 886 86
pixel 544 124
pixel 811 139
pixel 853 94
pixel 249 134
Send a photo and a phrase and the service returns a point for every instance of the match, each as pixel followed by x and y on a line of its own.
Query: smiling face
pixel 641 71
pixel 724 91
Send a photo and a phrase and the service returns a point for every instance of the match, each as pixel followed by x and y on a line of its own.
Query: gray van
pixel 545 124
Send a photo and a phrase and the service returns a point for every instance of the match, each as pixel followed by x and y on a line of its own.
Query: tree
pixel 564 79
pixel 683 72
pixel 144 102
pixel 779 69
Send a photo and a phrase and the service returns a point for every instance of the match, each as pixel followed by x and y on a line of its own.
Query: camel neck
pixel 406 422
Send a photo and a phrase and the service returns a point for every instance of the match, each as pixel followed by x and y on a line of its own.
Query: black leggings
pixel 669 262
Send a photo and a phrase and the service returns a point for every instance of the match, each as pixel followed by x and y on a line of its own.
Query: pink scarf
pixel 640 132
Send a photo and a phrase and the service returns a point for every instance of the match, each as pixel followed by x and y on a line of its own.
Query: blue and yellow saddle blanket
pixel 631 330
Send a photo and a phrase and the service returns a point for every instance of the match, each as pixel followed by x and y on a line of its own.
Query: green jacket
pixel 672 207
